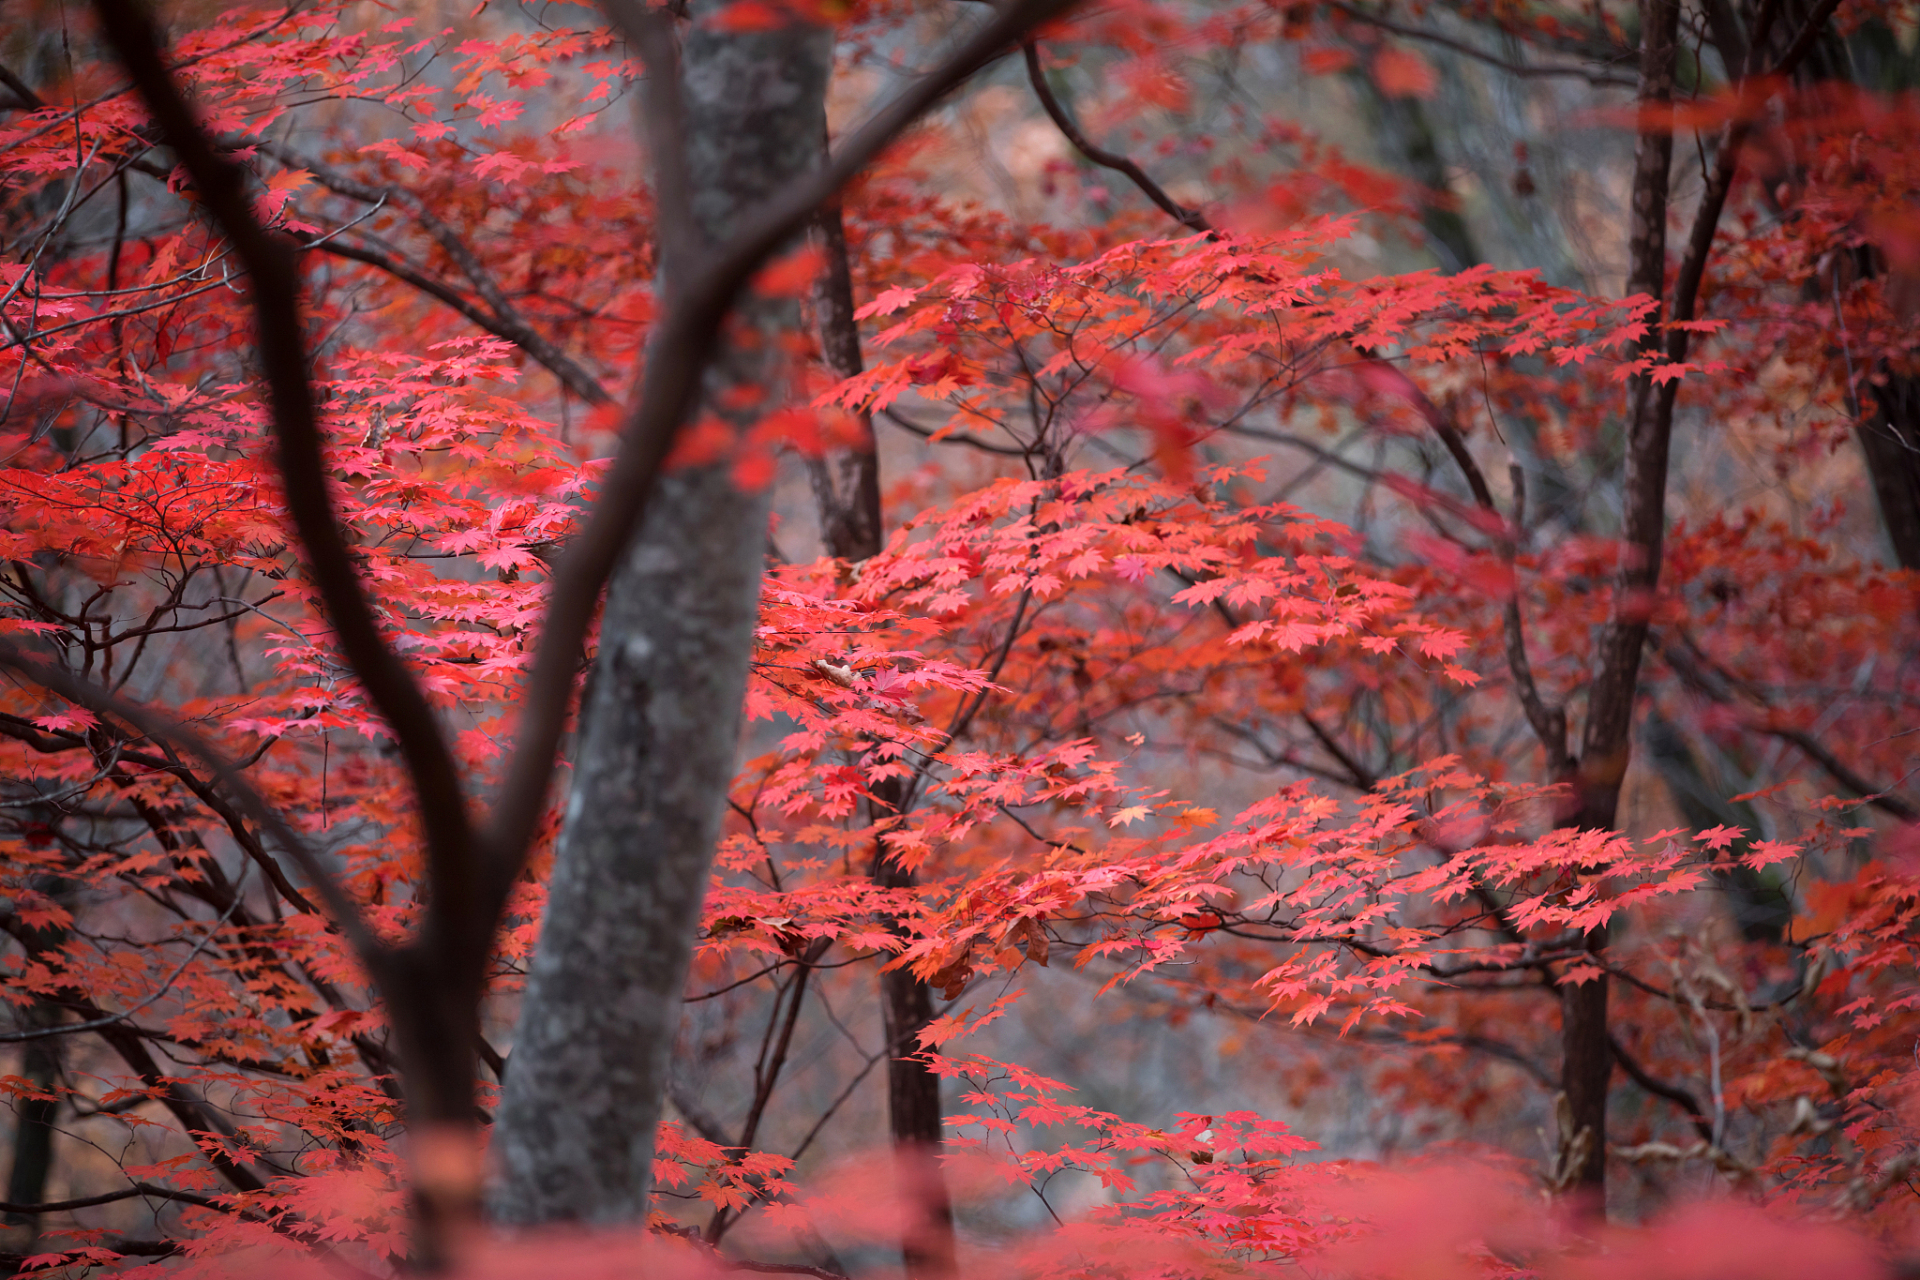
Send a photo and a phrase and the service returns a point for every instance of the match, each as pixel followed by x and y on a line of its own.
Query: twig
pixel 1545 71
pixel 1718 685
pixel 1659 1088
pixel 681 343
pixel 1192 218
pixel 163 728
pixel 47 1033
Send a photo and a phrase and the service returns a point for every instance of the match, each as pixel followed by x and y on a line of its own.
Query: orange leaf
pixel 1402 73
pixel 793 275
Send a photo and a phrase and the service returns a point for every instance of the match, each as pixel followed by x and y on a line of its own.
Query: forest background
pixel 1142 639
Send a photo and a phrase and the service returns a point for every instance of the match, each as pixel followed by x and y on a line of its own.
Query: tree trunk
pixel 846 485
pixel 1887 418
pixel 916 1119
pixel 660 725
pixel 40 1066
pixel 1586 1059
pixel 1890 439
pixel 847 488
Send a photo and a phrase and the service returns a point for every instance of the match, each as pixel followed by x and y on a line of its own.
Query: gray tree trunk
pixel 574 1140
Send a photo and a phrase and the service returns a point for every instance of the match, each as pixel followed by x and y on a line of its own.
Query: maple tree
pixel 325 523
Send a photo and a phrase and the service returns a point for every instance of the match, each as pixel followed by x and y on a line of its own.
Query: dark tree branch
pixel 1718 686
pixel 1192 218
pixel 679 349
pixel 703 1121
pixel 128 1248
pixel 29 100
pixel 502 319
pixel 1363 778
pixel 576 379
pixel 973 442
pixel 767 1074
pixel 140 1190
pixel 785 1269
pixel 1660 1089
pixel 1548 721
pixel 161 728
pixel 846 484
pixel 1523 70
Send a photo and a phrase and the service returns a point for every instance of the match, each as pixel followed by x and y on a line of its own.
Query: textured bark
pixel 846 485
pixel 589 1066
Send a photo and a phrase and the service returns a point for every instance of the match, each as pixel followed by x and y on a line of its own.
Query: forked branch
pixel 679 350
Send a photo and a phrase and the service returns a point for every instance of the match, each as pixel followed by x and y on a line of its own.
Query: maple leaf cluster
pixel 1116 700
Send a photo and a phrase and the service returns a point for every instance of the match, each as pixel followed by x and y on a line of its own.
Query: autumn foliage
pixel 1232 589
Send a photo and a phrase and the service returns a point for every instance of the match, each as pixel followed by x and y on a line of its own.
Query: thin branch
pixel 163 728
pixel 834 1106
pixel 1660 1089
pixel 1723 1006
pixel 47 1033
pixel 676 355
pixel 127 1248
pixel 1363 778
pixel 784 1269
pixel 281 342
pixel 1191 218
pixel 703 1121
pixel 503 319
pixel 1523 70
pixel 770 1074
pixel 140 1190
pixel 957 437
pixel 576 379
pixel 1701 676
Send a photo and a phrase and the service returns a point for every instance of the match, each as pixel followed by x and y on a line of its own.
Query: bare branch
pixel 1660 1089
pixel 1192 218
pixel 140 1190
pixel 1718 685
pixel 107 1020
pixel 1543 71
pixel 505 320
